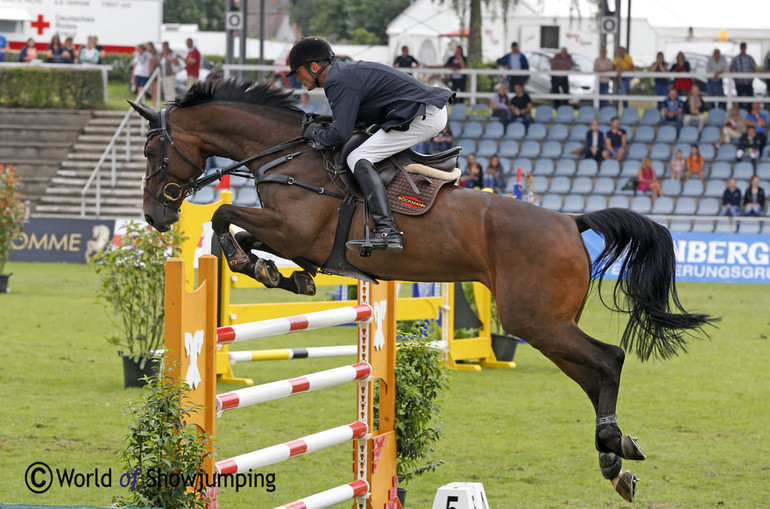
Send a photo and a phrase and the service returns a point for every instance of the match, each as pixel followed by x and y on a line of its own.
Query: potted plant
pixel 12 217
pixel 503 345
pixel 162 445
pixel 132 275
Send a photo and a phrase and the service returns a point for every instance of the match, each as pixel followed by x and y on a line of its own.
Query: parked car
pixel 540 60
pixel 698 63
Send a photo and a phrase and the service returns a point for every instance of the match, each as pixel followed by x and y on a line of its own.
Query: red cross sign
pixel 40 24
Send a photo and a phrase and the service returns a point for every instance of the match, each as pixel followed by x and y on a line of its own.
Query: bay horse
pixel 533 260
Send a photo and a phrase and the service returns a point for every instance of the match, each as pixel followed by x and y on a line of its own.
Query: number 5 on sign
pixel 461 495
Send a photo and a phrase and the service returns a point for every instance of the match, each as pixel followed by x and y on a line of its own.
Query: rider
pixel 407 111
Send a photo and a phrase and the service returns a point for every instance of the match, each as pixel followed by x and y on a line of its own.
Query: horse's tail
pixel 646 288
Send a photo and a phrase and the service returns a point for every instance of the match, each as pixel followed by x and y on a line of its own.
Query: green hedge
pixel 39 87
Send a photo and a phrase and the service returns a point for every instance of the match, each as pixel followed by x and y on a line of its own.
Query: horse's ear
pixel 150 114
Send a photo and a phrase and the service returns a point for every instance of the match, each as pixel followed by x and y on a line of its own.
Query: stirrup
pixel 389 241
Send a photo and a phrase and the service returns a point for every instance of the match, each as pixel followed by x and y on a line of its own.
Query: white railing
pixel 112 151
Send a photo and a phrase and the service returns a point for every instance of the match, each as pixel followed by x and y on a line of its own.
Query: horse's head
pixel 172 166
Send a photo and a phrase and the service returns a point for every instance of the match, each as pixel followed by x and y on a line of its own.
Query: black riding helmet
pixel 309 49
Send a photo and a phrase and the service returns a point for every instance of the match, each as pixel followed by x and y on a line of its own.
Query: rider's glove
pixel 311 131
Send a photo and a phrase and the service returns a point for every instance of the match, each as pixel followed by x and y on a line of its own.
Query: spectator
pixel 695 108
pixel 677 165
pixel 28 53
pixel 616 140
pixel 69 54
pixel 731 200
pixel 154 63
pixel 3 47
pixel 443 140
pixel 88 53
pixel 473 175
pixel 673 109
pixel 603 64
pixel 405 59
pixel 623 63
pixel 306 106
pixel 561 61
pixel 734 127
pixel 749 145
pixel 170 64
pixel 457 62
pixel 757 118
pixel 521 106
pixel 595 143
pixel 140 71
pixel 493 176
pixel 661 84
pixel 682 85
pixel 743 63
pixel 754 199
pixel 767 69
pixel 99 48
pixel 501 105
pixel 53 54
pixel 193 61
pixel 694 163
pixel 716 65
pixel 647 180
pixel 515 61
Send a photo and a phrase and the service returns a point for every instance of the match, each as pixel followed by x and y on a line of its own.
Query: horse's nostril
pixel 148 218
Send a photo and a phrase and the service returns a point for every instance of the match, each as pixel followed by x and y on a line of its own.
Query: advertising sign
pixel 62 240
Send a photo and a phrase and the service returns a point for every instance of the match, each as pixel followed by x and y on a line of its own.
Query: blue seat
pixel 685 206
pixel 680 226
pixel 595 203
pixel 702 226
pixel 644 134
pixel 565 114
pixel 693 187
pixel 671 187
pixel 724 226
pixel 543 167
pixel 641 204
pixel 467 146
pixel 604 185
pixel 529 149
pixel 573 204
pixel 473 129
pixel 709 207
pixel 551 202
pixel 714 188
pixel 763 172
pixel 637 151
pixel 456 128
pixel 666 134
pixel 578 132
pixel 630 168
pixel 651 116
pixel 536 132
pixel 748 228
pixel 743 170
pixel 606 113
pixel 629 116
pixel 766 154
pixel 558 132
pixel 458 111
pixel 716 117
pixel 585 115
pixel 506 164
pixel 664 206
pixel 559 185
pixel 508 148
pixel 621 184
pixel 515 131
pixel 479 112
pixel 539 183
pixel 660 151
pixel 543 114
pixel 726 152
pixel 688 134
pixel 565 167
pixel 707 151
pixel 619 202
pixel 684 147
pixel 609 168
pixel 204 195
pixel 551 150
pixel 487 148
pixel 629 132
pixel 237 182
pixel 572 146
pixel 721 170
pixel 525 164
pixel 246 197
pixel 495 130
pixel 482 160
pixel 587 168
pixel 582 185
pixel 710 135
pixel 659 169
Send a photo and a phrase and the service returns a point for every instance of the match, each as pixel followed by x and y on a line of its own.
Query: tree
pixel 343 20
pixel 209 15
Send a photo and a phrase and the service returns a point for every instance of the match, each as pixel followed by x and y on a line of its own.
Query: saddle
pixel 412 180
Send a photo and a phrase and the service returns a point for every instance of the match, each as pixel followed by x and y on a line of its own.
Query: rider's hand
pixel 311 131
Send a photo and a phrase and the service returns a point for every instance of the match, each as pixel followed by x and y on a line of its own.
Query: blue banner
pixel 51 239
pixel 709 257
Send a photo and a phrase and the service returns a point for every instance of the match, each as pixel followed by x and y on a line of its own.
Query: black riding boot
pixel 385 236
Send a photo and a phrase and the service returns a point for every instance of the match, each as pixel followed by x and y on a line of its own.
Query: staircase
pixel 63 195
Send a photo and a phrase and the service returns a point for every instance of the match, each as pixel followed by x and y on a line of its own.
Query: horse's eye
pixel 150 152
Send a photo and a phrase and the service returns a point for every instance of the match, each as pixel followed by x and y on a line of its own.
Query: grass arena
pixel 701 417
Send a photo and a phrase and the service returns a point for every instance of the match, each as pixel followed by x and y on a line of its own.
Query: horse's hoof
pixel 631 449
pixel 267 273
pixel 304 282
pixel 625 485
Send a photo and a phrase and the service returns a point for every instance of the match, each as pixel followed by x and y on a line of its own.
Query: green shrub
pixel 43 88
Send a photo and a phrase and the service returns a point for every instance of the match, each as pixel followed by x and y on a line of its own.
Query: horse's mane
pixel 238 90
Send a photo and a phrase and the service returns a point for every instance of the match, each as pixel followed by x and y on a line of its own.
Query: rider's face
pixel 305 77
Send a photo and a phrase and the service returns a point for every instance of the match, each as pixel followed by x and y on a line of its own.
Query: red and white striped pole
pixel 330 497
pixel 281 452
pixel 285 388
pixel 280 326
pixel 313 352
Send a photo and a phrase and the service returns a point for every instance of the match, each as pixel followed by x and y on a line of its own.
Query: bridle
pixel 174 191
